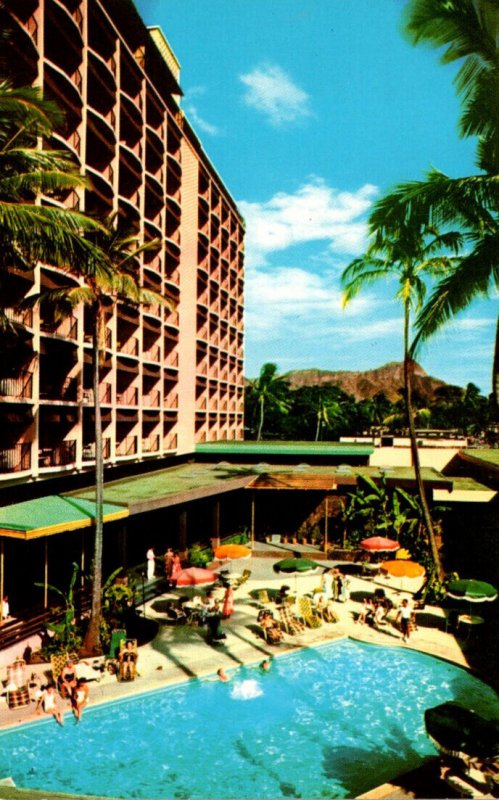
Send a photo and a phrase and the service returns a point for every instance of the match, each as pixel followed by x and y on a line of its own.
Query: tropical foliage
pixel 65 635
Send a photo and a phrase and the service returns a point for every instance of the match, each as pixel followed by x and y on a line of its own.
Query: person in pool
pixel 265 665
pixel 222 675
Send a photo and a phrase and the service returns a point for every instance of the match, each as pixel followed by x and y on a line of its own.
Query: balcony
pixel 67 391
pixel 170 442
pixel 151 399
pixel 129 397
pixel 130 347
pixel 89 450
pixel 58 456
pixel 22 317
pixel 20 386
pixel 150 444
pixel 16 458
pixel 68 328
pixel 104 394
pixel 127 446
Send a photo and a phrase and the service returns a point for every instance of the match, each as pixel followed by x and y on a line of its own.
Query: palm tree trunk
pixel 92 639
pixel 260 424
pixel 495 376
pixel 408 371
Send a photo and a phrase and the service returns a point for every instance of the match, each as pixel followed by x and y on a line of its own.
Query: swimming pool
pixel 332 721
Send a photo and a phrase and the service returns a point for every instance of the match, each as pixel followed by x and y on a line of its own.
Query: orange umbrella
pixel 403 569
pixel 231 552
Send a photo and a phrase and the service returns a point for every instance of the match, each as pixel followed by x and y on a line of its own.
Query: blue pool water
pixel 327 722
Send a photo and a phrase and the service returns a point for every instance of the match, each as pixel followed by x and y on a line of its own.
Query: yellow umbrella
pixel 403 569
pixel 231 552
pixel 403 554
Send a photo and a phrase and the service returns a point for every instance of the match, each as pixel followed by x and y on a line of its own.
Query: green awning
pixel 53 514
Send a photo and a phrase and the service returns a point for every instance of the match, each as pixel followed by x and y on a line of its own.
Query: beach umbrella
pixel 195 576
pixel 457 730
pixel 232 552
pixel 472 591
pixel 296 567
pixel 403 569
pixel 379 544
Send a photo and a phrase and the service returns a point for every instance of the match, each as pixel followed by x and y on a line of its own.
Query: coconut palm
pixel 469 29
pixel 31 232
pixel 268 391
pixel 408 257
pixel 98 293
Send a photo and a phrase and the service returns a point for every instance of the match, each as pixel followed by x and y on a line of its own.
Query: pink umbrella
pixel 194 576
pixel 378 544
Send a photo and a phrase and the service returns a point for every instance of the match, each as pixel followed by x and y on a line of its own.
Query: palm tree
pixel 408 257
pixel 268 391
pixel 98 292
pixel 31 232
pixel 469 29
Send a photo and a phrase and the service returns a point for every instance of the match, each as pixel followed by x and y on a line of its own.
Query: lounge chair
pixel 465 785
pixel 289 622
pixel 324 610
pixel 128 657
pixel 310 618
pixel 244 577
pixel 263 597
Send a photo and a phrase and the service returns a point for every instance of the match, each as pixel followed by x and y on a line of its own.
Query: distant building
pixel 170 379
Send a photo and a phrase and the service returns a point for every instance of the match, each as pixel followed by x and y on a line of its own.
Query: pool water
pixel 332 721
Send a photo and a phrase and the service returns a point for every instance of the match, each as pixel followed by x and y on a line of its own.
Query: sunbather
pixel 271 628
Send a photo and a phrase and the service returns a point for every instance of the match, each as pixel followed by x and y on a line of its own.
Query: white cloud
pixel 191 110
pixel 272 92
pixel 315 212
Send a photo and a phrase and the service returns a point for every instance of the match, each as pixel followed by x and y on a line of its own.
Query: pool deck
pixel 180 652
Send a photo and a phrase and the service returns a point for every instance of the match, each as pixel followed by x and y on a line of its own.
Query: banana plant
pixel 67 636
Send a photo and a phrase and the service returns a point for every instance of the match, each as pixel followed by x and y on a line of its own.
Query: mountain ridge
pixel 363 385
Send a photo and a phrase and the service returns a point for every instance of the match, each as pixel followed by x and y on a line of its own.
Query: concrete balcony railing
pixel 170 442
pixel 151 399
pixel 20 386
pixel 89 450
pixel 129 397
pixel 127 446
pixel 22 316
pixel 150 444
pixel 16 458
pixel 59 456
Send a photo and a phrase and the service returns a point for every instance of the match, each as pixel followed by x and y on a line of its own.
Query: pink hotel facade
pixel 170 379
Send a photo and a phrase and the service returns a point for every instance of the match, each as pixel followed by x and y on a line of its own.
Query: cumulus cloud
pixel 315 212
pixel 273 93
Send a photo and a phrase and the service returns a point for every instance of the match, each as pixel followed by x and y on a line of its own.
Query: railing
pixel 151 444
pixel 58 456
pixel 153 354
pixel 170 442
pixel 171 359
pixel 16 458
pixel 151 399
pixel 89 450
pixel 67 328
pixel 130 397
pixel 23 316
pixel 127 446
pixel 171 401
pixel 130 347
pixel 68 391
pixel 21 386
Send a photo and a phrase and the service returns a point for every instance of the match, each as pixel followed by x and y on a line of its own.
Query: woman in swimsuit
pixel 80 698
pixel 48 701
pixel 67 680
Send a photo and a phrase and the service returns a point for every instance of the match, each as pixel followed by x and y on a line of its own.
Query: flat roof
pixel 465 490
pixel 193 481
pixel 236 447
pixel 486 454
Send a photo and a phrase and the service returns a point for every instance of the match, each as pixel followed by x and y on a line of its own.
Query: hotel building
pixel 170 379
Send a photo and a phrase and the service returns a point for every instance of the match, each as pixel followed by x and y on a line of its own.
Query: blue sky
pixel 310 110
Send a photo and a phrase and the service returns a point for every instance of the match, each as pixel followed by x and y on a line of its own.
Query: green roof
pixel 487 455
pixel 46 516
pixel 236 447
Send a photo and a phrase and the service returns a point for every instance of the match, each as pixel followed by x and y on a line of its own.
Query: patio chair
pixel 324 610
pixel 311 619
pixel 289 622
pixel 128 657
pixel 263 597
pixel 244 577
